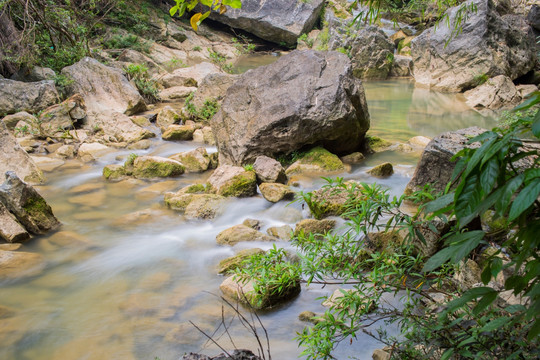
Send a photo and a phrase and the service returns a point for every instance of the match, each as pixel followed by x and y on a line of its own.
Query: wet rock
pixel 92 151
pixel 308 316
pixel 167 116
pixel 278 21
pixel 229 264
pixel 181 199
pixel 178 132
pixel 244 292
pixel 284 232
pixel 278 103
pixel 241 233
pixel 66 151
pixel 312 226
pixel 36 73
pixel 236 354
pixel 196 160
pixel 28 207
pixel 33 97
pixel 316 160
pixel 372 54
pixel 103 88
pixel 213 86
pixel 334 301
pixel 63 116
pixel 353 158
pixel 377 144
pixel 13 120
pixel 10 247
pixel 496 93
pixel 269 170
pixel 469 274
pixel 402 66
pixel 526 89
pixel 384 241
pixel 93 199
pixel 208 136
pixel 114 172
pixel 275 192
pixel 382 170
pixel 380 354
pixel 46 163
pixel 435 166
pixel 10 229
pixel 205 206
pixel 419 141
pixel 148 167
pixel 18 264
pixel 233 181
pixel 155 281
pixel 252 223
pixel 14 158
pixel 189 76
pixel 140 120
pixel 488 45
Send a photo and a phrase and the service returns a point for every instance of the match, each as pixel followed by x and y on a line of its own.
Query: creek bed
pixel 125 286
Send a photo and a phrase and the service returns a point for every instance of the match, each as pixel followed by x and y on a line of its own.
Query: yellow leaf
pixel 194 20
pixel 222 9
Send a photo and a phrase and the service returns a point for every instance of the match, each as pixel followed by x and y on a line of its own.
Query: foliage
pixel 272 274
pixel 63 83
pixel 209 108
pixel 196 20
pixel 128 41
pixel 174 63
pixel 130 159
pixel 480 79
pixel 323 38
pixel 249 167
pixel 306 40
pixel 138 73
pixel 221 61
pixel 243 45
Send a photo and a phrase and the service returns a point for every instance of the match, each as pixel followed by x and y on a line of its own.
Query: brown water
pixel 125 275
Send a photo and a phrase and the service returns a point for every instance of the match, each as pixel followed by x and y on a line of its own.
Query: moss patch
pixel 152 169
pixel 244 184
pixel 114 172
pixel 229 264
pixel 376 143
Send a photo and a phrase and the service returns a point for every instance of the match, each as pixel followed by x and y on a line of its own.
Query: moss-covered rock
pixel 377 144
pixel 312 226
pixel 196 160
pixel 178 201
pixel 244 291
pixel 275 192
pixel 178 132
pixel 230 264
pixel 241 233
pixel 167 116
pixel 382 170
pixel 148 167
pixel 233 181
pixel 316 160
pixel 114 172
pixel 353 158
pixel 384 240
pixel 331 201
pixel 284 232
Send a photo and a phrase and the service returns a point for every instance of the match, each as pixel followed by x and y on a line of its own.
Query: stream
pixel 125 275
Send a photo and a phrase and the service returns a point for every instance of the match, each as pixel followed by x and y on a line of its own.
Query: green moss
pixel 230 264
pixel 376 143
pixel 195 189
pixel 36 207
pixel 151 169
pixel 323 158
pixel 323 39
pixel 384 241
pixel 113 172
pixel 178 133
pixel 382 170
pixel 178 202
pixel 244 184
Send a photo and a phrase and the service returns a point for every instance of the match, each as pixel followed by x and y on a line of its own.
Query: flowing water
pixel 125 275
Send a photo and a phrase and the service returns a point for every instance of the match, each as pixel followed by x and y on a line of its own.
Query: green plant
pixel 63 84
pixel 243 45
pixel 138 73
pixel 221 61
pixel 209 108
pixel 130 160
pixel 323 38
pixel 197 48
pixel 249 167
pixel 480 79
pixel 306 40
pixel 129 41
pixel 196 19
pixel 22 130
pixel 174 63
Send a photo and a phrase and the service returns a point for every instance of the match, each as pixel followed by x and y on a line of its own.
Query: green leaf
pixel 478 155
pixel 508 190
pixel 489 175
pixel 447 354
pixel 524 199
pixel 495 324
pixel 469 295
pixel 469 199
pixel 235 4
pixel 439 203
pixel 532 99
pixel 438 259
pixel 536 124
pixel 173 10
pixel 535 330
pixel 484 303
pixel 207 2
pixel 531 174
pixel 463 243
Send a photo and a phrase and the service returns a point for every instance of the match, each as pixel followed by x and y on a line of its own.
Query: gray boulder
pixel 233 181
pixel 212 87
pixel 435 166
pixel 104 89
pixel 27 206
pixel 10 229
pixel 269 170
pixel 496 93
pixel 278 21
pixel 402 66
pixel 14 158
pixel 533 18
pixel 306 97
pixel 372 54
pixel 18 96
pixel 37 73
pixel 62 116
pixel 489 45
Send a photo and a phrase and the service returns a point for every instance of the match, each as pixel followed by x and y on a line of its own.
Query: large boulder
pixel 275 192
pixel 118 127
pixel 212 87
pixel 149 167
pixel 495 93
pixel 488 45
pixel 305 98
pixel 196 160
pixel 435 166
pixel 269 170
pixel 62 116
pixel 279 21
pixel 18 96
pixel 104 89
pixel 533 17
pixel 241 233
pixel 189 76
pixel 372 54
pixel 27 206
pixel 14 158
pixel 34 74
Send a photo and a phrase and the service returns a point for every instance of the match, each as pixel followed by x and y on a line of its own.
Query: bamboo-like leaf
pixel 484 303
pixel 524 199
pixel 508 190
pixel 495 324
pixel 532 99
pixel 439 203
pixel 489 174
pixel 469 199
pixel 536 124
pixel 173 10
pixel 463 243
pixel 438 259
